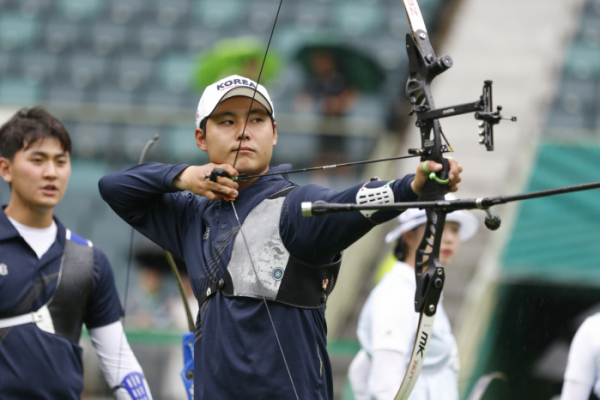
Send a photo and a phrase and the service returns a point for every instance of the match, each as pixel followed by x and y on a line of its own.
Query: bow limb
pixel 168 255
pixel 429 273
pixel 187 374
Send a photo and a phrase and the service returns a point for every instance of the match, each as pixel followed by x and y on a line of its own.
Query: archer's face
pixel 38 176
pixel 224 129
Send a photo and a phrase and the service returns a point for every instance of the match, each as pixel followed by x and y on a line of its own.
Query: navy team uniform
pixel 37 364
pixel 236 353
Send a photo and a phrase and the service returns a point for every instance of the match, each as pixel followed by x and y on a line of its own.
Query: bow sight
pixel 423 68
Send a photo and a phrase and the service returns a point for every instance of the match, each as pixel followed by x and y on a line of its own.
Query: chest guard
pixel 63 314
pixel 74 288
pixel 281 277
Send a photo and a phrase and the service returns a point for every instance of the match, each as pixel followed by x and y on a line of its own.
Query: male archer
pixel 277 266
pixel 52 280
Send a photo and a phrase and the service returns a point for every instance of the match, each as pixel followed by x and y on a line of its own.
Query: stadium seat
pixel 134 72
pixel 359 148
pixel 288 144
pixel 154 39
pixel 6 61
pixel 175 72
pixel 85 175
pixel 181 145
pixel 311 16
pixel 290 39
pixel 65 93
pixel 397 21
pixel 110 233
pixel 34 7
pixel 60 35
pixel 91 140
pixel 197 39
pixel 358 19
pixel 568 115
pixel 370 106
pixel 170 12
pixel 77 10
pixel 124 11
pixel 39 66
pixel 582 61
pixel 589 30
pixel 592 8
pixel 19 92
pixel 112 95
pixel 108 38
pixel 75 209
pixel 219 13
pixel 86 69
pixel 135 137
pixel 162 98
pixel 261 14
pixel 17 31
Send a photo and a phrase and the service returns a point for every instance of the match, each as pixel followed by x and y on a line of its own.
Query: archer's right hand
pixel 195 179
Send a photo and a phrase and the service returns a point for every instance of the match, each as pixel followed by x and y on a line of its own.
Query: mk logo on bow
pixel 423 344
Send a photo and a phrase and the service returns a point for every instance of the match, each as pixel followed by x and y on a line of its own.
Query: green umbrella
pixel 358 68
pixel 236 56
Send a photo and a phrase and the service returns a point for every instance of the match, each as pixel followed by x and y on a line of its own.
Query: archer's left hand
pixel 422 175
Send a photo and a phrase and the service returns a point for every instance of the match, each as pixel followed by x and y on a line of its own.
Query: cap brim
pixel 467 221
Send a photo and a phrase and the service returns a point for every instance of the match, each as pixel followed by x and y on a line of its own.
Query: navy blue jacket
pixel 35 364
pixel 236 353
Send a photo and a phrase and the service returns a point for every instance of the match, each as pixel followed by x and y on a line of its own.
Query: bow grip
pixel 214 174
pixel 433 190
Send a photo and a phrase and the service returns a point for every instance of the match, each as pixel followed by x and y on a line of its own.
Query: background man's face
pixel 39 175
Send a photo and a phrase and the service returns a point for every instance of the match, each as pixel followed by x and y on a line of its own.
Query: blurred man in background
pixel 52 280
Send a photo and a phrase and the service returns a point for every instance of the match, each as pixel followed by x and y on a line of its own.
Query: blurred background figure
pixel 388 322
pixel 150 302
pixel 583 368
pixel 335 97
pixel 336 74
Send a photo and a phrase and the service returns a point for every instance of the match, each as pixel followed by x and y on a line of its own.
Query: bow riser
pixel 428 268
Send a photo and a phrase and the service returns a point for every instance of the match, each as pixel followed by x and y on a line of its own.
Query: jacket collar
pixel 8 230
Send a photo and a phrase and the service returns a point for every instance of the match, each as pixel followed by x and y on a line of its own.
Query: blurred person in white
pixel 52 281
pixel 583 366
pixel 388 321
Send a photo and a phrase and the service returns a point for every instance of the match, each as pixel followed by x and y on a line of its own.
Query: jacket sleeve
pixel 319 240
pixel 144 197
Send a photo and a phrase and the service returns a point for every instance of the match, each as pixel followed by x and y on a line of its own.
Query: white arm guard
pixel 120 366
pixel 379 195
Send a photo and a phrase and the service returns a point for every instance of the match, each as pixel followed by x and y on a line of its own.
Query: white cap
pixel 414 217
pixel 226 88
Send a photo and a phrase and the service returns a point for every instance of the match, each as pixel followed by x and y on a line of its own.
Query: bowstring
pixel 235 211
pixel 264 299
pixel 262 66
